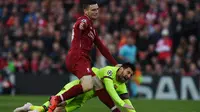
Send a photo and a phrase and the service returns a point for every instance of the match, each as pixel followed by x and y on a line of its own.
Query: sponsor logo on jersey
pixel 91 35
pixel 115 86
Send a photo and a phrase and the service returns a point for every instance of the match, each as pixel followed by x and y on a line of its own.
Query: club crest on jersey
pixel 115 86
pixel 83 20
pixel 109 73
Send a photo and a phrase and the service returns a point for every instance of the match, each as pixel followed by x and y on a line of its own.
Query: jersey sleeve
pixel 111 91
pixel 123 93
pixel 109 85
pixel 95 70
pixel 122 89
pixel 81 20
pixel 127 101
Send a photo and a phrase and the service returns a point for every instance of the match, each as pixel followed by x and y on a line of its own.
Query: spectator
pixel 163 34
pixel 128 51
pixel 22 63
pixel 192 70
pixel 156 35
pixel 164 46
pixel 149 70
pixel 177 27
pixel 45 65
pixel 158 69
pixel 35 62
pixel 177 67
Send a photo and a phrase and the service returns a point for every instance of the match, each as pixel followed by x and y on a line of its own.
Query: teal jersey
pixel 108 76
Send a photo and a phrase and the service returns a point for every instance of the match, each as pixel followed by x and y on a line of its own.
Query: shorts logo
pixel 109 73
pixel 88 69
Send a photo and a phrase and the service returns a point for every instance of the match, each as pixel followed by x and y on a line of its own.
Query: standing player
pixel 78 59
pixel 114 79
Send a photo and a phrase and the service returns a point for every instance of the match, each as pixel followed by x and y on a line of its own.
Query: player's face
pixel 125 74
pixel 93 11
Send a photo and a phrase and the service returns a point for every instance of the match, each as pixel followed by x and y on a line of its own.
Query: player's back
pixel 106 72
pixel 82 40
pixel 110 72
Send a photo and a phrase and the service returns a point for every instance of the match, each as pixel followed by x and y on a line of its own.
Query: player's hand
pixel 128 106
pixel 62 104
pixel 82 25
pixel 118 65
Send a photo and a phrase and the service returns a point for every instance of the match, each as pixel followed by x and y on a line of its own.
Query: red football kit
pixel 78 58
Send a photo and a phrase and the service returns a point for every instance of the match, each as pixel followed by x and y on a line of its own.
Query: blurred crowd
pixel 158 36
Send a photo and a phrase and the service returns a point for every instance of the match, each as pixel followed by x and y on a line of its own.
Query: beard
pixel 122 79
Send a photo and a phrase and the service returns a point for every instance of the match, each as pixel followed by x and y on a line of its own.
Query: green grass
pixel 9 103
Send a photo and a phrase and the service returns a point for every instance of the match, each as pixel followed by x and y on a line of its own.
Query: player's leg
pixel 60 107
pixel 55 100
pixel 44 107
pixel 79 101
pixel 103 95
pixel 25 108
pixel 83 71
pixel 88 79
pixel 76 103
pixel 64 89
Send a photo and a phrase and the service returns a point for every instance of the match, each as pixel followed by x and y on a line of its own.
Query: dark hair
pixel 126 65
pixel 87 3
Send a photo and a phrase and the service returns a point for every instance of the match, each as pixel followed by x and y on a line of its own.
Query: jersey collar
pixel 88 18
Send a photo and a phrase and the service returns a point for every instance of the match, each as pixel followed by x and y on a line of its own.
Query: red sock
pixel 106 99
pixel 72 92
pixel 116 110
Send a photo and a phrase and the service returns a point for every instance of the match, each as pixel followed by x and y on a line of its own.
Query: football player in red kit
pixel 78 62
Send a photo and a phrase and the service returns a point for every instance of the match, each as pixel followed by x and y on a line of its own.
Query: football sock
pixel 106 99
pixel 46 104
pixel 116 110
pixel 37 108
pixel 72 92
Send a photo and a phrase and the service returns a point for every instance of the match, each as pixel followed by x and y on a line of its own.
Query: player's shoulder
pixel 95 68
pixel 109 67
pixel 106 67
pixel 110 70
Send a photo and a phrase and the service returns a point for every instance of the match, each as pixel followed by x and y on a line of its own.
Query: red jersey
pixel 82 40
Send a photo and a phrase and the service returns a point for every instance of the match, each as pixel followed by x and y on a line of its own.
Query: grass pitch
pixel 9 103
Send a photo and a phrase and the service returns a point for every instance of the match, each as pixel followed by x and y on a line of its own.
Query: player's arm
pixel 104 51
pixel 82 24
pixel 127 101
pixel 123 93
pixel 108 82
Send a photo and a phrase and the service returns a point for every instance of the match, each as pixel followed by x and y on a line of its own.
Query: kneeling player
pixel 114 79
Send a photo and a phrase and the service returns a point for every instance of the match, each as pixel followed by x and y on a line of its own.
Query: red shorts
pixel 78 65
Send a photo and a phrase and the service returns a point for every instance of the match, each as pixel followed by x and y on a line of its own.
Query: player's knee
pixel 97 83
pixel 59 109
pixel 87 83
